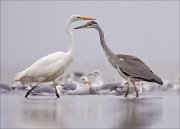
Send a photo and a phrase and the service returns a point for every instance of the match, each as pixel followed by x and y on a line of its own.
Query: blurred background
pixel 146 29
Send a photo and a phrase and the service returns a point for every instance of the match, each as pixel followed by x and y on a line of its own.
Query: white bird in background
pixel 73 77
pixel 176 85
pixel 95 77
pixel 82 88
pixel 97 84
pixel 50 67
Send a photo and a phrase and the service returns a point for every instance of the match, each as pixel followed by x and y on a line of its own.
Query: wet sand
pixel 90 111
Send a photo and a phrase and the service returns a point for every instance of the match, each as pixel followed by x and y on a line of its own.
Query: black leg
pixel 30 91
pixel 56 90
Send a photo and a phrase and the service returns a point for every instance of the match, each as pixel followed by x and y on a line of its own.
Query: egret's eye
pixel 78 17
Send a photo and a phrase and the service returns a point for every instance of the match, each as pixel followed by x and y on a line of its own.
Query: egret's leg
pixel 127 92
pixel 56 89
pixel 30 91
pixel 137 93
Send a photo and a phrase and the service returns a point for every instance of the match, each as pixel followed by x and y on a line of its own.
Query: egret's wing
pixel 46 66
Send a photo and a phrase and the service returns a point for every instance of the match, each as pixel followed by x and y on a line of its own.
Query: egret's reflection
pixel 38 113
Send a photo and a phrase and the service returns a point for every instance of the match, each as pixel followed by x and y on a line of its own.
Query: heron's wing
pixel 134 67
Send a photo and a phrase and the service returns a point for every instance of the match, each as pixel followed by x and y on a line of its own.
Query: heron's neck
pixel 71 37
pixel 106 49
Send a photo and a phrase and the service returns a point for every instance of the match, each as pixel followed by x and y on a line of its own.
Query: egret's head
pixel 79 18
pixel 91 24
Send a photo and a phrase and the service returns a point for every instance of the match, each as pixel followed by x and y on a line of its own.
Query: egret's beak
pixel 86 18
pixel 83 26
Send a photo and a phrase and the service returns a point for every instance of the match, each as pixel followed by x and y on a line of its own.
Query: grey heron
pixel 129 67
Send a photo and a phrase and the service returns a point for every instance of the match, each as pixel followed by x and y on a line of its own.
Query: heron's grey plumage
pixel 132 66
pixel 129 67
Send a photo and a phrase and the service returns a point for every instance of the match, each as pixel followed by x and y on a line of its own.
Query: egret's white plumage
pixel 50 67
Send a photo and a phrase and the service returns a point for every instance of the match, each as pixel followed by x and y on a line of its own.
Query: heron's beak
pixel 83 26
pixel 86 18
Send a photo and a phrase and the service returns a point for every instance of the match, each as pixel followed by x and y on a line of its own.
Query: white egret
pixel 50 67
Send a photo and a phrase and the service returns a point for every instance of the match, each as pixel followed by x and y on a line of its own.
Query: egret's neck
pixel 106 49
pixel 71 37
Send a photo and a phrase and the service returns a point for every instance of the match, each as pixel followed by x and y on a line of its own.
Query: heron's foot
pixel 137 95
pixel 126 95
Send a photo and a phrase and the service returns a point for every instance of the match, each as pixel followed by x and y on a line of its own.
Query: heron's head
pixel 79 18
pixel 91 24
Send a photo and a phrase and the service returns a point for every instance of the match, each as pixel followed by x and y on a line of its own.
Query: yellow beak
pixel 87 18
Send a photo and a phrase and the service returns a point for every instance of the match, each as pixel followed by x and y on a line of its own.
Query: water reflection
pixel 90 112
pixel 141 114
pixel 36 113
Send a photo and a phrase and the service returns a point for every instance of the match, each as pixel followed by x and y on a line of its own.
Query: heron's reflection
pixel 141 113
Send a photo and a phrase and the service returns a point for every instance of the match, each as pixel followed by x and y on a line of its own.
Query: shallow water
pixel 90 111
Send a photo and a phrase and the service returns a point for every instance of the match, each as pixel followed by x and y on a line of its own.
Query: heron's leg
pixel 137 93
pixel 30 91
pixel 127 92
pixel 56 89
